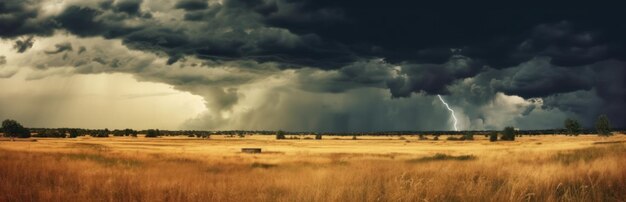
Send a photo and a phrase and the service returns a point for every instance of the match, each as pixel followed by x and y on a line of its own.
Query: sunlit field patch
pixel 368 169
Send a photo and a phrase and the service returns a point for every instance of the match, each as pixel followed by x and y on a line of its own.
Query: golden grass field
pixel 533 168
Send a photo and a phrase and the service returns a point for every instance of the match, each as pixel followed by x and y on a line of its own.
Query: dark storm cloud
pixel 330 34
pixel 432 78
pixel 401 79
pixel 62 47
pixel 419 31
pixel 608 94
pixel 230 31
pixel 86 21
pixel 192 4
pixel 22 45
pixel 131 7
pixel 550 50
pixel 539 78
pixel 585 91
pixel 81 21
pixel 19 17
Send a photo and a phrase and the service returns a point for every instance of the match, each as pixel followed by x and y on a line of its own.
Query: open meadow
pixel 387 168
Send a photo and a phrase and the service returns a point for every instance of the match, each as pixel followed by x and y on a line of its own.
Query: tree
pixel 130 132
pixel 572 127
pixel 117 133
pixel 318 136
pixel 12 128
pixel 73 133
pixel 508 133
pixel 280 135
pixel 152 133
pixel 51 134
pixel 493 136
pixel 603 125
pixel 468 135
pixel 127 132
pixel 101 133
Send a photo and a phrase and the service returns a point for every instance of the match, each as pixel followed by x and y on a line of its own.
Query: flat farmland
pixel 370 168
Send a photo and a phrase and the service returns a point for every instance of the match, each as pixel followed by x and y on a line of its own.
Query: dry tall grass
pixel 596 173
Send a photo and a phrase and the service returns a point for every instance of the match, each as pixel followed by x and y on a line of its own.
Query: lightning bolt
pixel 451 112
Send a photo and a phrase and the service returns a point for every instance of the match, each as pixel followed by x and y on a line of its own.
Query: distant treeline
pixel 67 132
pixel 12 128
pixel 436 133
pixel 73 132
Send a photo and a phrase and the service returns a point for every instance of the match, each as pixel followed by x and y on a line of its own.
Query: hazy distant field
pixel 538 168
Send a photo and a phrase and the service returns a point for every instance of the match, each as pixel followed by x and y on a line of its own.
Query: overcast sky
pixel 310 65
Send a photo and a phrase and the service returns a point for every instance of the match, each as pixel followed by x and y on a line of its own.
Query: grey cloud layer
pixel 332 48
